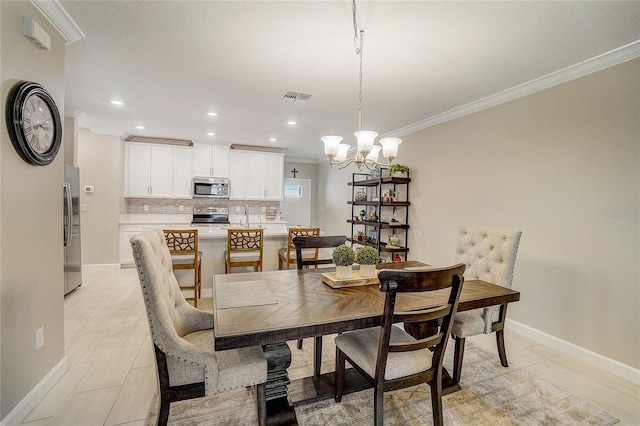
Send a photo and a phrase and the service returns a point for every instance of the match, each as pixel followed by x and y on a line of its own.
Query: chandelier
pixel 367 151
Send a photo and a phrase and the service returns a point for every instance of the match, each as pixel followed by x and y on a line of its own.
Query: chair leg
pixel 299 343
pixel 339 375
pixel 378 406
pixel 436 400
pixel 502 353
pixel 458 355
pixel 261 399
pixel 317 359
pixel 163 413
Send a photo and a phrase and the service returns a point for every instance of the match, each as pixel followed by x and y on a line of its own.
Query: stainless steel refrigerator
pixel 72 257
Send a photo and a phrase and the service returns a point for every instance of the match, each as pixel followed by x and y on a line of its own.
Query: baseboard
pixel 33 398
pixel 101 266
pixel 592 358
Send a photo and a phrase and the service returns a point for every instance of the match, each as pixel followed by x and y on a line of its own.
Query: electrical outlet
pixel 181 208
pixel 264 208
pixel 238 208
pixel 39 338
pixel 146 207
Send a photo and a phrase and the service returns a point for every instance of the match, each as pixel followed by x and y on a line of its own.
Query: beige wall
pixel 562 165
pixel 31 275
pixel 99 159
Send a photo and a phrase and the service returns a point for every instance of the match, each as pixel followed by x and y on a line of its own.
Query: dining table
pixel 270 308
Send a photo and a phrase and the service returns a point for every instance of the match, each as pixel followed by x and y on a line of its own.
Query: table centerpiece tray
pixel 356 280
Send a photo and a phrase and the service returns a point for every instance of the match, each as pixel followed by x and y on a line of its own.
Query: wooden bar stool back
pixel 244 248
pixel 287 256
pixel 183 246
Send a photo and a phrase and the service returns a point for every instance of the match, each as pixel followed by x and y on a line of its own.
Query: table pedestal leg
pixel 279 412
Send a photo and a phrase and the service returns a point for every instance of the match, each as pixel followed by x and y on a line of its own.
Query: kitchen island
pixel 212 241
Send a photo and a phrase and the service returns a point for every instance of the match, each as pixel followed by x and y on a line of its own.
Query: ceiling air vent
pixel 290 95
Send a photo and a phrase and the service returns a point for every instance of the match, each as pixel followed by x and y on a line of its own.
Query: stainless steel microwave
pixel 204 187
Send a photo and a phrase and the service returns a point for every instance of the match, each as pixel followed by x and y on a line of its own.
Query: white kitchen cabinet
pixel 256 175
pixel 182 173
pixel 157 171
pixel 274 177
pixel 210 160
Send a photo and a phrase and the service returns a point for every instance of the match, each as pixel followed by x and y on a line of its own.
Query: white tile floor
pixel 111 377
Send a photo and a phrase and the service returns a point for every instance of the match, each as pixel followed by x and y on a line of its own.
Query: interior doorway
pixel 296 204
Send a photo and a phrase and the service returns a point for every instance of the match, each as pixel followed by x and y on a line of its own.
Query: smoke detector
pixel 293 96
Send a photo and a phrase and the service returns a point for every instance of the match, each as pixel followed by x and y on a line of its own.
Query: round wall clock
pixel 33 123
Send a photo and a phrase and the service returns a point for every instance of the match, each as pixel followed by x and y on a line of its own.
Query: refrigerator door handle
pixel 67 234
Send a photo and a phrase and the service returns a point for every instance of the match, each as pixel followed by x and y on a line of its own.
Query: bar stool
pixel 183 246
pixel 287 255
pixel 244 248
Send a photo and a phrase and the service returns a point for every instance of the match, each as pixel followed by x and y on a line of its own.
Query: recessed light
pixel 211 134
pixel 140 127
pixel 115 102
pixel 291 123
pixel 273 139
pixel 212 114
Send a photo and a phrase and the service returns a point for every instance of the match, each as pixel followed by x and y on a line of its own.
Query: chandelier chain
pixel 355 28
pixel 360 93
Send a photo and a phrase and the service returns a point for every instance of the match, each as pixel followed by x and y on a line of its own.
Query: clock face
pixel 33 123
pixel 37 124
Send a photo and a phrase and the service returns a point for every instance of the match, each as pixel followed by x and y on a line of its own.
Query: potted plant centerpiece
pixel 397 170
pixel 343 258
pixel 367 257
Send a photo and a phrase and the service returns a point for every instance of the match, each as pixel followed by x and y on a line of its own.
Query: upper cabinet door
pixel 210 160
pixel 256 189
pixel 182 175
pixel 274 177
pixel 161 171
pixel 137 170
pixel 238 175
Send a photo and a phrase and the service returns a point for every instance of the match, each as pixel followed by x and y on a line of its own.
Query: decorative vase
pixel 343 272
pixel 368 270
pixel 393 240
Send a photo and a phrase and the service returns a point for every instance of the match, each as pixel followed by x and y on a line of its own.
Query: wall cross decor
pixel 294 171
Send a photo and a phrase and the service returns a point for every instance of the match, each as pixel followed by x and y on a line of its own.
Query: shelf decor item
pixel 361 195
pixel 397 170
pixel 393 241
pixel 343 258
pixel 367 257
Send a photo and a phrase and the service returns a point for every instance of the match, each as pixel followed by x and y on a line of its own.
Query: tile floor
pixel 111 377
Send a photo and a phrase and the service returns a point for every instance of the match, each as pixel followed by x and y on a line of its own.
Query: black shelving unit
pixel 382 226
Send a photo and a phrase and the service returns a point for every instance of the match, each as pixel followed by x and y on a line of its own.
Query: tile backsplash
pixel 172 206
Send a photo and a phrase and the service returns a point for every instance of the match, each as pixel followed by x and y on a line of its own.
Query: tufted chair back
pixel 166 307
pixel 489 255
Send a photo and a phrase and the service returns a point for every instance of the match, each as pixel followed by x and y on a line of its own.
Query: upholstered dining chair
pixel 244 248
pixel 183 246
pixel 305 243
pixel 390 358
pixel 489 255
pixel 287 255
pixel 187 364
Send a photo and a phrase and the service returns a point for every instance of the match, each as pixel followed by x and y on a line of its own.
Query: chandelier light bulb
pixel 343 148
pixel 331 145
pixel 390 147
pixel 373 155
pixel 365 140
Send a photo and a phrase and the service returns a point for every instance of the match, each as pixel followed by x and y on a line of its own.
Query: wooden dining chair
pixel 390 358
pixel 183 246
pixel 489 255
pixel 305 243
pixel 287 255
pixel 244 248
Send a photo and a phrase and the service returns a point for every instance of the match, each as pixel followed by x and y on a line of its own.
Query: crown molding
pixel 288 159
pixel 600 62
pixel 60 19
pixel 104 131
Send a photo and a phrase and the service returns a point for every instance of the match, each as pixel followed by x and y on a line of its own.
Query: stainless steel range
pixel 210 216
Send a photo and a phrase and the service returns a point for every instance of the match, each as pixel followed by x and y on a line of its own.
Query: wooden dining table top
pixel 257 308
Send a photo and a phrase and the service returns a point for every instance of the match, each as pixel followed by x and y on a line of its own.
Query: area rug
pixel 491 395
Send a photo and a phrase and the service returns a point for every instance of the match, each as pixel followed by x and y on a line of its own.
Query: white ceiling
pixel 172 62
